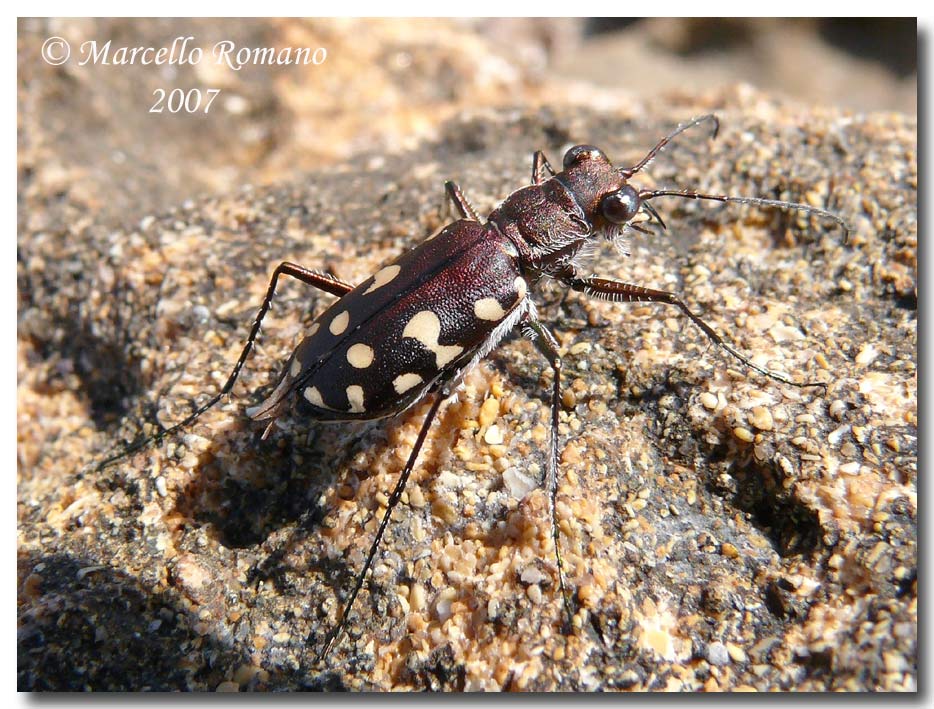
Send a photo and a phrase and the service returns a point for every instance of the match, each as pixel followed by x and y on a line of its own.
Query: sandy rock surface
pixel 719 530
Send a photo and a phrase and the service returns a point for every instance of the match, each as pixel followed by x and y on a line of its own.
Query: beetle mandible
pixel 416 326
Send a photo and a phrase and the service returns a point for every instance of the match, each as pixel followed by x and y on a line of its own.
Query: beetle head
pixel 612 204
pixel 603 192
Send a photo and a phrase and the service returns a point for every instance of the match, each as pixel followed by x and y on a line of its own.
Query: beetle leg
pixel 334 634
pixel 463 207
pixel 540 162
pixel 533 328
pixel 619 292
pixel 327 283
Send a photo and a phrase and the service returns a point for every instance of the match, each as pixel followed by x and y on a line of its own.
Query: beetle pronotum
pixel 417 325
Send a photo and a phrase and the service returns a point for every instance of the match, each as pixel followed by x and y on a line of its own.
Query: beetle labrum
pixel 416 326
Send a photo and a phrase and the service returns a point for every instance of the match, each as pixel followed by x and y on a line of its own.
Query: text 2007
pixel 182 101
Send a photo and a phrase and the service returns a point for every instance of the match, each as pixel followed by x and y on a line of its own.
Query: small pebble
pixel 837 409
pixel 244 673
pixel 417 598
pixel 416 498
pixel 737 654
pixel 489 411
pixel 571 454
pixel 761 418
pixel 532 575
pixel 717 654
pixel 493 435
pixel 867 353
pixel 708 400
pixel 517 483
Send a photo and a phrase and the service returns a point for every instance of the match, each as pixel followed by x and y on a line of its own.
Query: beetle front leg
pixel 457 198
pixel 548 346
pixel 620 292
pixel 539 163
pixel 322 281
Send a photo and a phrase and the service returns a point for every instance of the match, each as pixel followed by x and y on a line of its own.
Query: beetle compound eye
pixel 620 206
pixel 582 152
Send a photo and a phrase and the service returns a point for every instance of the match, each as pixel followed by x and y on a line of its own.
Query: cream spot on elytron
pixel 355 397
pixel 404 382
pixel 426 328
pixel 383 277
pixel 339 323
pixel 488 309
pixel 360 355
pixel 521 287
pixel 445 353
pixel 296 368
pixel 314 397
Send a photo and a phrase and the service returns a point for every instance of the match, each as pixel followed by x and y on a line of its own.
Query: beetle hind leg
pixel 322 281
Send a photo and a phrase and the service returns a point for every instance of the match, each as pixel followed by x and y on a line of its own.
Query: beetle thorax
pixel 553 220
pixel 556 223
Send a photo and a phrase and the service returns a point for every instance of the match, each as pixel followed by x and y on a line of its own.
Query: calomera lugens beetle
pixel 417 325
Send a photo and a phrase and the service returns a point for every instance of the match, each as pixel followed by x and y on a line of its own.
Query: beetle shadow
pixel 281 481
pixel 108 632
pixel 276 513
pixel 756 488
pixel 793 528
pixel 339 574
pixel 85 626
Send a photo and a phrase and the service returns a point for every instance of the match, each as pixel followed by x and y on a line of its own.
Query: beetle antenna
pixel 628 172
pixel 758 201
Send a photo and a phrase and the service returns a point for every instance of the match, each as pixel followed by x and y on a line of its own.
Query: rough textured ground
pixel 720 530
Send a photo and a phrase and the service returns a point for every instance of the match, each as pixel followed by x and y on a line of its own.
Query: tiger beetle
pixel 418 325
